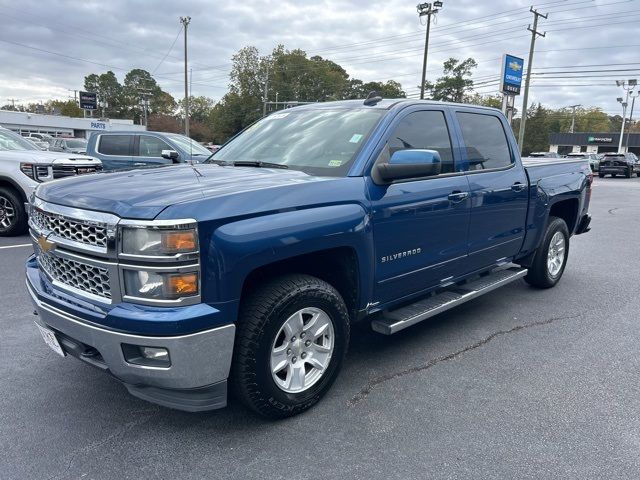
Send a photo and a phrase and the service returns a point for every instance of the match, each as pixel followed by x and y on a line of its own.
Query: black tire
pixel 13 217
pixel 629 173
pixel 614 175
pixel 539 275
pixel 601 175
pixel 262 315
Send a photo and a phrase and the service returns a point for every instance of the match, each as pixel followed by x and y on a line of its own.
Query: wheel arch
pixel 567 210
pixel 13 185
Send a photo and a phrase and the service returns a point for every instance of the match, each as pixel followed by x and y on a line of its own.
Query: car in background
pixel 594 160
pixel 544 155
pixel 42 137
pixel 127 150
pixel 23 166
pixel 41 144
pixel 213 148
pixel 69 145
pixel 615 164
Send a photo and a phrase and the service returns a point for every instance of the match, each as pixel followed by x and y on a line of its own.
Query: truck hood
pixel 144 193
pixel 36 156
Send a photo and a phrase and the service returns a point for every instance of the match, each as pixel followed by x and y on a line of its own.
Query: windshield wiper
pixel 258 163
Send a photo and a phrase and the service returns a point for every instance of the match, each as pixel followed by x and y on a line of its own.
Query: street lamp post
pixel 427 9
pixel 626 85
pixel 633 102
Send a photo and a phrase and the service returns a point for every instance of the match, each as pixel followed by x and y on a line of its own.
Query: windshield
pixel 189 145
pixel 76 143
pixel 12 141
pixel 318 142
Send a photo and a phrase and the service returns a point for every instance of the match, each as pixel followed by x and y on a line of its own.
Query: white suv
pixel 22 167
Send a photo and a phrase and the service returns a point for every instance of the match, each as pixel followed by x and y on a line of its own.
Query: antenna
pixel 372 99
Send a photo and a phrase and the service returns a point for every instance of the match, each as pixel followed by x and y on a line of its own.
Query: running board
pixel 393 321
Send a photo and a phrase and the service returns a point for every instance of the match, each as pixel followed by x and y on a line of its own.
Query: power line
pixel 168 51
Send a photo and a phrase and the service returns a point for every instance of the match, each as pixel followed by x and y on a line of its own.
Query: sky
pixel 47 47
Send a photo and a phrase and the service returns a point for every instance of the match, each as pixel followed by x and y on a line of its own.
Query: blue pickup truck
pixel 249 271
pixel 129 150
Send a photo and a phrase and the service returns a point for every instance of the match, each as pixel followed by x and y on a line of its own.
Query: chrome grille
pixel 78 275
pixel 77 231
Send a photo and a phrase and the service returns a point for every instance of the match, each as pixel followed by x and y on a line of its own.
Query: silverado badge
pixel 45 245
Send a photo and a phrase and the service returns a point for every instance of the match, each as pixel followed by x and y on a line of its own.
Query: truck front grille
pixel 77 231
pixel 86 278
pixel 62 171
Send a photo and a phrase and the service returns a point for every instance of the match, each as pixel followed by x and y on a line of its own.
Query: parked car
pixel 43 137
pixel 255 265
pixel 39 144
pixel 619 164
pixel 594 160
pixel 69 145
pixel 22 167
pixel 544 155
pixel 127 150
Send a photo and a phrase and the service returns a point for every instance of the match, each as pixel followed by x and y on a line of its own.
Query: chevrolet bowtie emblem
pixel 45 245
pixel 515 66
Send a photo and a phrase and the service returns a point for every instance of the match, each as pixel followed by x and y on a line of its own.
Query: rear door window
pixel 486 142
pixel 115 145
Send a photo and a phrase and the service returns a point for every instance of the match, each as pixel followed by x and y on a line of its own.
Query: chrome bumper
pixel 195 380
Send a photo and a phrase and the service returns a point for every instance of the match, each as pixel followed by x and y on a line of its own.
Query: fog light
pixel 156 353
pixel 146 356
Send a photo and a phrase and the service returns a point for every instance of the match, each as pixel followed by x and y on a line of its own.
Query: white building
pixel 57 125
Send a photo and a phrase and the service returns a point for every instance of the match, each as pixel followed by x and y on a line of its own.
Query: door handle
pixel 457 197
pixel 139 164
pixel 518 187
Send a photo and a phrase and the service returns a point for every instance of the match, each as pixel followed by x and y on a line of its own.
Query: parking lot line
pixel 15 246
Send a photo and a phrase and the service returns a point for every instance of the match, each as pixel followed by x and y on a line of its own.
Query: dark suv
pixel 619 164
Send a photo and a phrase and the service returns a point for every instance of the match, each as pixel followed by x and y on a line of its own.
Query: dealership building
pixel 592 142
pixel 61 126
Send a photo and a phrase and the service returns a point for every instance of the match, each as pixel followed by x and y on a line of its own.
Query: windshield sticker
pixel 276 116
pixel 335 163
pixel 356 138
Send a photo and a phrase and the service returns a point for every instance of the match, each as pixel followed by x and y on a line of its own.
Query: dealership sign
pixel 511 78
pixel 88 100
pixel 600 139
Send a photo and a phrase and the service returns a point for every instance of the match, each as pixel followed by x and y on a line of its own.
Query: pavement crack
pixel 376 382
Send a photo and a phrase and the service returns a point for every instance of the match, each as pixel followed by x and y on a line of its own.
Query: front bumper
pixel 196 379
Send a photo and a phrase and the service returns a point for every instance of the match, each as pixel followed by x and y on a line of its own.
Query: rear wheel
pixel 551 257
pixel 629 172
pixel 292 337
pixel 13 217
pixel 601 175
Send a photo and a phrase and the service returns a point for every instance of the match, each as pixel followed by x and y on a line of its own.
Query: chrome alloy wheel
pixel 555 257
pixel 7 213
pixel 302 350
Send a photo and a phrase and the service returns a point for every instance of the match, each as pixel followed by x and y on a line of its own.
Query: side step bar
pixel 393 321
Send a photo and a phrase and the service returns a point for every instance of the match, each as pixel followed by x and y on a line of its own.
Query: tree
pixel 494 101
pixel 68 108
pixel 199 108
pixel 455 82
pixel 109 91
pixel 390 89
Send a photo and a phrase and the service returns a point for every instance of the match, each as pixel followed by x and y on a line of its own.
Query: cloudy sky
pixel 47 47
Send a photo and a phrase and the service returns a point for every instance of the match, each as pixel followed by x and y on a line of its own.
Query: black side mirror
pixel 404 164
pixel 170 155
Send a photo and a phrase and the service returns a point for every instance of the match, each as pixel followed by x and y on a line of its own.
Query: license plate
pixel 51 340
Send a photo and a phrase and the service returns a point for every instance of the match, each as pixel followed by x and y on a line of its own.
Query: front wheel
pixel 629 173
pixel 601 175
pixel 551 257
pixel 292 337
pixel 13 217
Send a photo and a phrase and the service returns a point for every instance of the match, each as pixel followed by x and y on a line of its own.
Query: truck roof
pixel 385 104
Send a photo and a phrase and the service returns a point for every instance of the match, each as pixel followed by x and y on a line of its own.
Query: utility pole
pixel 627 86
pixel 185 23
pixel 13 102
pixel 525 99
pixel 266 92
pixel 633 102
pixel 573 117
pixel 427 9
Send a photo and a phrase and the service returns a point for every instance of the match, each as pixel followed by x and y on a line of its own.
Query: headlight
pixel 39 173
pixel 159 242
pixel 153 285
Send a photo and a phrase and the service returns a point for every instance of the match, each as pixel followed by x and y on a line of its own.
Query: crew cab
pixel 250 270
pixel 22 167
pixel 130 150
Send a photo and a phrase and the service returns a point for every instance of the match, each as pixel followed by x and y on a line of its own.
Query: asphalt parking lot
pixel 520 383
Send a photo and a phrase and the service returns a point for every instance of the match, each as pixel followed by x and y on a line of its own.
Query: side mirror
pixel 170 155
pixel 412 163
